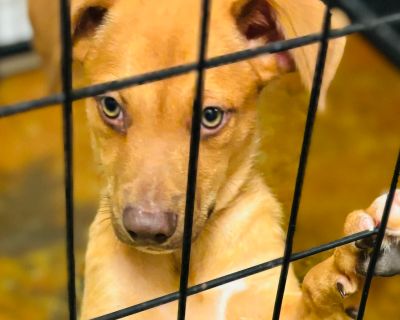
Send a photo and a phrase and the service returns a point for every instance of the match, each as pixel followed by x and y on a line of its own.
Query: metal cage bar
pixel 193 159
pixel 233 276
pixel 214 62
pixel 69 95
pixel 385 37
pixel 308 130
pixel 16 48
pixel 66 69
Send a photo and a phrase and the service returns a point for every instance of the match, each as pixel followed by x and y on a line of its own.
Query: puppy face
pixel 142 134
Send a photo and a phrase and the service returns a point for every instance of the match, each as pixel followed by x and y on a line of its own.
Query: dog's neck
pixel 213 251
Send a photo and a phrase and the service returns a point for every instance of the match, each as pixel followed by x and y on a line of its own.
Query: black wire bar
pixel 379 239
pixel 15 48
pixel 193 160
pixel 385 37
pixel 234 276
pixel 66 66
pixel 278 46
pixel 308 130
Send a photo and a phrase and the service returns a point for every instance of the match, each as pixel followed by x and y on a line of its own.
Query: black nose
pixel 147 227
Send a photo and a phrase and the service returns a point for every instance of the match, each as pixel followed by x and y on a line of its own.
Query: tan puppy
pixel 141 140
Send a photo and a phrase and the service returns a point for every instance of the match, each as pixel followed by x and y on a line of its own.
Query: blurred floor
pixel 352 156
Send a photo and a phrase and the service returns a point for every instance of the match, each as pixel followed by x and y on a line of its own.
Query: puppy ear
pixel 272 20
pixel 86 21
pixel 302 17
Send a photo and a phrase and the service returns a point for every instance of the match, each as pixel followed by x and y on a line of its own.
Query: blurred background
pixel 354 149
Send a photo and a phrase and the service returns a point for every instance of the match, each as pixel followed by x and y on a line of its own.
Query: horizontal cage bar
pixel 235 276
pixel 274 47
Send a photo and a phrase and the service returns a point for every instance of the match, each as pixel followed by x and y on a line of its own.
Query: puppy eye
pixel 110 107
pixel 212 117
pixel 113 113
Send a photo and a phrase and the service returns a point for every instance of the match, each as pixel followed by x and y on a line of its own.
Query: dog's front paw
pixel 389 258
pixel 331 289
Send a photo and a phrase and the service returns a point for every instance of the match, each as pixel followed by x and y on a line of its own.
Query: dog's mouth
pixel 145 245
pixel 167 246
pixel 154 250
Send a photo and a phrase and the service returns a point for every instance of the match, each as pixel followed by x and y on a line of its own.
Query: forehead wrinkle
pixel 170 108
pixel 164 103
pixel 142 102
pixel 165 42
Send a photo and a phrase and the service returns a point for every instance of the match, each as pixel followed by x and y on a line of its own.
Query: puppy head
pixel 141 134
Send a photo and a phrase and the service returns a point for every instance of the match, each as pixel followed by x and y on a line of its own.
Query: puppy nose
pixel 147 226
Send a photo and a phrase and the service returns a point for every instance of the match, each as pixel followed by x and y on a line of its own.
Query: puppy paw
pixel 331 289
pixel 389 257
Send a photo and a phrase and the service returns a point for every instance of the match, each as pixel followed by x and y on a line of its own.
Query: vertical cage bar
pixel 312 108
pixel 379 239
pixel 66 66
pixel 193 160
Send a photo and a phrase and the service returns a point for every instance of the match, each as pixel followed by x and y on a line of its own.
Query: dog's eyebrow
pixel 219 98
pixel 114 94
pixel 231 109
pixel 77 7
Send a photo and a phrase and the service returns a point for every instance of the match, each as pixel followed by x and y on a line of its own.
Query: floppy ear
pixel 86 20
pixel 273 20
